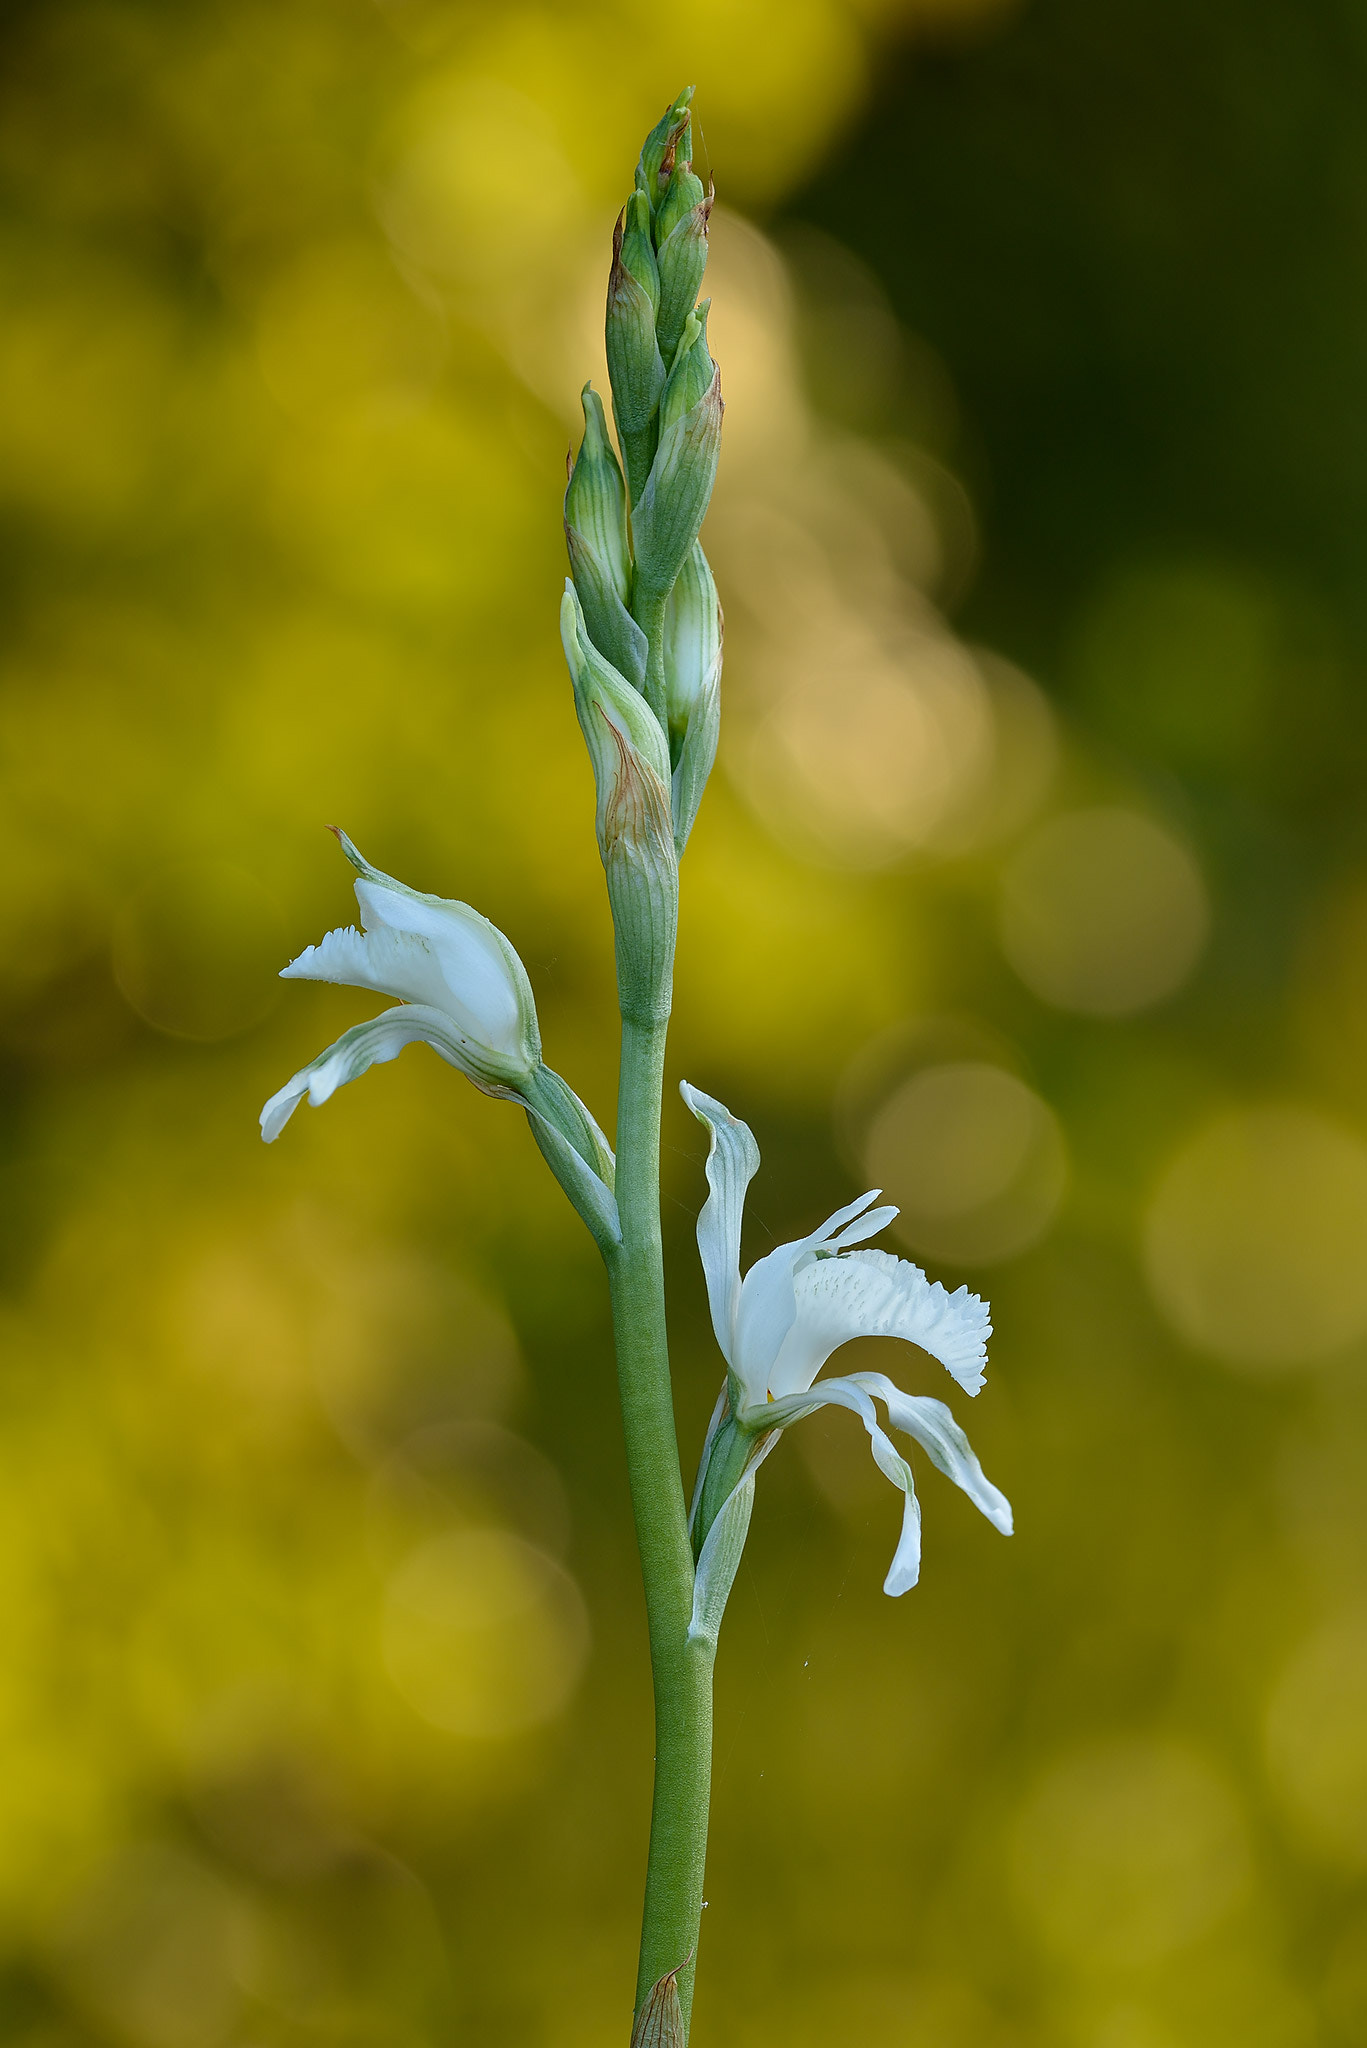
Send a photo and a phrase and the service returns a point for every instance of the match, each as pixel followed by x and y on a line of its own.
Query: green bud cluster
pixel 643 618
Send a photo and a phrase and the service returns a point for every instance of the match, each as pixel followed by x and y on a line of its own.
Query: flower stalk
pixel 641 628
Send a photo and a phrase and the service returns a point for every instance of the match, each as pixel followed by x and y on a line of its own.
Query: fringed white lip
pixel 779 1325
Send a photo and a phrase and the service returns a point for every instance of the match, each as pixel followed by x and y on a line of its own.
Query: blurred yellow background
pixel 1032 885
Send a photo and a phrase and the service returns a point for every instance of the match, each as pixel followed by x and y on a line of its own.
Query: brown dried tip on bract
pixel 638 807
pixel 671 148
pixel 659 2024
pixel 335 830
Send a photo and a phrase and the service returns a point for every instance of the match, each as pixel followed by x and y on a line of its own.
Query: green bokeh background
pixel 1034 871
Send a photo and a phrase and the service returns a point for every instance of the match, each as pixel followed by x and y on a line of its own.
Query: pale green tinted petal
pixel 488 992
pixel 873 1294
pixel 365 1045
pixel 732 1162
pixel 471 955
pixel 944 1443
pixel 391 962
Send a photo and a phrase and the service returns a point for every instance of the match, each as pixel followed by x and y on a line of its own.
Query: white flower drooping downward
pixel 778 1327
pixel 462 990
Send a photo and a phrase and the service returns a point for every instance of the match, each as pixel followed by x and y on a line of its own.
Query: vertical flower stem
pixel 682 1672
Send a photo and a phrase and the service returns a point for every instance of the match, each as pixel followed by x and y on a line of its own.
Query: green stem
pixel 682 1672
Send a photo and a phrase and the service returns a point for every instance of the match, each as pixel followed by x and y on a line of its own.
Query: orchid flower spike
pixel 462 990
pixel 778 1327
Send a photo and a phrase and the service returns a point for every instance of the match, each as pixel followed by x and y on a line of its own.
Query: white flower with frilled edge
pixel 779 1326
pixel 462 990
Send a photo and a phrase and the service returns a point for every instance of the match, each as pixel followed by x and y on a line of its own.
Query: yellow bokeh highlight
pixel 1256 1240
pixel 1103 911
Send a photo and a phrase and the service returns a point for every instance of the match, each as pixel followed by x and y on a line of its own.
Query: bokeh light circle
pixel 483 1634
pixel 1126 1853
pixel 1316 1749
pixel 1256 1239
pixel 1103 912
pixel 973 1158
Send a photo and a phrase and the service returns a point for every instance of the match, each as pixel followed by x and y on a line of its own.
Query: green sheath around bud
pixel 683 192
pixel 675 499
pixel 693 369
pixel 634 821
pixel 692 665
pixel 599 550
pixel 661 145
pixel 681 258
pixel 634 362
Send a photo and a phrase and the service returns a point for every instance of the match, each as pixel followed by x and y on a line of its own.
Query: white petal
pixel 944 1443
pixel 905 1568
pixel 487 990
pixel 391 962
pixel 732 1162
pixel 768 1304
pixel 873 1294
pixel 365 1045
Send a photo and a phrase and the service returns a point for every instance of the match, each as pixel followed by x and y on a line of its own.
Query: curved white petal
pixel 873 1294
pixel 391 962
pixel 768 1304
pixel 487 990
pixel 943 1442
pixel 732 1162
pixel 905 1568
pixel 365 1045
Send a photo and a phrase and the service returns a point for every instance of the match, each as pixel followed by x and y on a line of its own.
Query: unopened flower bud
pixel 661 145
pixel 683 192
pixel 692 664
pixel 630 759
pixel 681 258
pixel 600 554
pixel 634 362
pixel 671 507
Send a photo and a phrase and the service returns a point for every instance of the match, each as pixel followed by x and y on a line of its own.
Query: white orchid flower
pixel 462 990
pixel 779 1326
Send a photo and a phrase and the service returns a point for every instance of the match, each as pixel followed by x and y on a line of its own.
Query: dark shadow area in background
pixel 1138 237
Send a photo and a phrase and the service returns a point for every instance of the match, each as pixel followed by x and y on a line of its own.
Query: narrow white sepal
pixel 943 1442
pixel 365 1045
pixel 732 1163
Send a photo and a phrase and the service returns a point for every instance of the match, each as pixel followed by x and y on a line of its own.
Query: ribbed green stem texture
pixel 682 1673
